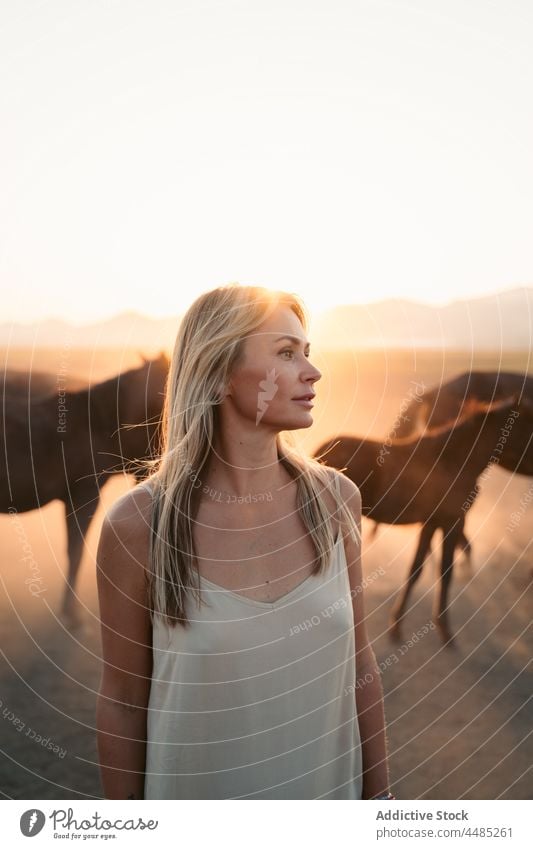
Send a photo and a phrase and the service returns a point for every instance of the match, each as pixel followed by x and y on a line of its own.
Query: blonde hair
pixel 209 344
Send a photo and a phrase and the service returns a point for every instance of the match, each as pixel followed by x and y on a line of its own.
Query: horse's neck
pixel 476 441
pixel 105 401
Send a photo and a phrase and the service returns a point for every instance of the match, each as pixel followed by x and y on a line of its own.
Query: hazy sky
pixel 349 150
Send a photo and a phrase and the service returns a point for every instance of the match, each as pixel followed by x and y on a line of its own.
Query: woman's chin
pixel 290 422
pixel 305 419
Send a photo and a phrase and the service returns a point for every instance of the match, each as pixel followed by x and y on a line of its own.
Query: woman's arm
pixel 121 709
pixel 368 692
pixel 371 714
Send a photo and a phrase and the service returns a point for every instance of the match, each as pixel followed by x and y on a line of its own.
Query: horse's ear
pixel 143 358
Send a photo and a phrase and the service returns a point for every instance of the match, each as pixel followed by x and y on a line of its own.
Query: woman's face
pixel 273 372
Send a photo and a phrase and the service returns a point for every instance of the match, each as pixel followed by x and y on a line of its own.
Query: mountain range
pixel 502 320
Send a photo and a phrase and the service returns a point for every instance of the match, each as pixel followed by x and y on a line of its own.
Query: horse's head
pixel 521 409
pixel 515 403
pixel 514 435
pixel 524 405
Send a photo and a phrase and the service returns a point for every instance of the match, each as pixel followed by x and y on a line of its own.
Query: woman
pixel 230 584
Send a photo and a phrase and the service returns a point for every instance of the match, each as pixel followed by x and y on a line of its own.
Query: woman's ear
pixel 224 389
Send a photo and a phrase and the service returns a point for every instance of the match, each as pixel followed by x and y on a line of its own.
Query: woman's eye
pixel 290 351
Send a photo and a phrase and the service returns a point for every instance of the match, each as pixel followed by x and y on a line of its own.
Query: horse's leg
pixel 464 544
pixel 398 608
pixel 462 540
pixel 440 611
pixel 78 513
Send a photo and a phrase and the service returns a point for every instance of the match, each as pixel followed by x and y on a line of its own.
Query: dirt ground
pixel 459 720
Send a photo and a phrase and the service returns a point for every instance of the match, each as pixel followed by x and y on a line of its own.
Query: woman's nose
pixel 313 373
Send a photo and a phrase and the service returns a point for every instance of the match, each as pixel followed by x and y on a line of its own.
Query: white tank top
pixel 256 700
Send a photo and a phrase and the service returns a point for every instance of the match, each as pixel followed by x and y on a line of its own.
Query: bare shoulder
pixel 350 492
pixel 127 511
pixel 125 535
pixel 351 496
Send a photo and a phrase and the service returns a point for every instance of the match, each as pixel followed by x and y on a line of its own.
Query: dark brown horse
pixel 432 479
pixel 450 402
pixel 66 445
